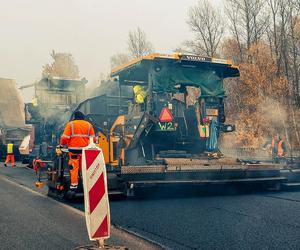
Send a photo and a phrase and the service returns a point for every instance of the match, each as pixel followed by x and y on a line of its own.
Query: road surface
pixel 187 220
pixel 30 220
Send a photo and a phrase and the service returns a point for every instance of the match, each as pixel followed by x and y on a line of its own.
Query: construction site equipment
pixel 55 98
pixel 12 126
pixel 170 136
pixel 39 166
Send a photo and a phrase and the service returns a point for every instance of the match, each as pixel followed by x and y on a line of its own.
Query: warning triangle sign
pixel 165 115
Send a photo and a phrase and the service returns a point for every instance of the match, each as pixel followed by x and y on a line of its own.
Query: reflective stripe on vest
pixel 10 148
pixel 72 128
pixel 79 135
pixel 89 129
pixel 280 148
pixel 76 148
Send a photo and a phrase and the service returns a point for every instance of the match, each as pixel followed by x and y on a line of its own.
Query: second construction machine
pixel 162 124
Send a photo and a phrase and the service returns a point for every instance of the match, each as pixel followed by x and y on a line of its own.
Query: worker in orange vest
pixel 10 154
pixel 274 146
pixel 281 149
pixel 76 136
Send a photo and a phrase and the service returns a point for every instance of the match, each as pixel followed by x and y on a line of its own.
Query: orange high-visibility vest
pixel 273 143
pixel 76 134
pixel 280 148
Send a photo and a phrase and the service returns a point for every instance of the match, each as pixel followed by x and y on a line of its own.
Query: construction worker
pixel 76 136
pixel 139 94
pixel 10 154
pixel 282 149
pixel 274 146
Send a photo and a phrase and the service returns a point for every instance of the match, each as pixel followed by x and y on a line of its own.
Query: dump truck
pixel 161 127
pixel 50 109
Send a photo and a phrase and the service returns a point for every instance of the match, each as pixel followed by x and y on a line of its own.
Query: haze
pixel 91 30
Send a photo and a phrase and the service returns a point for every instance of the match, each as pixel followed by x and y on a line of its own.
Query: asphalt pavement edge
pixel 138 241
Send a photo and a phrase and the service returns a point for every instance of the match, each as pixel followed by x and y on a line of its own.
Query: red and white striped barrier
pixel 96 202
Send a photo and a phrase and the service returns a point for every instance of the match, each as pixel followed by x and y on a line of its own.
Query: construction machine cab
pixel 184 97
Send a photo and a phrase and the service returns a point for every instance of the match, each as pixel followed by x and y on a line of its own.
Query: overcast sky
pixel 91 30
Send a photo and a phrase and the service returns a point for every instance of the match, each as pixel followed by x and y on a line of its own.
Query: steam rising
pixel 11 105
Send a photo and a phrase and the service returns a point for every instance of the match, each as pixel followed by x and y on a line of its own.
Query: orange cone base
pixel 39 184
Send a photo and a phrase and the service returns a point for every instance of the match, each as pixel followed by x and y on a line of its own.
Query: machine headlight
pixel 229 128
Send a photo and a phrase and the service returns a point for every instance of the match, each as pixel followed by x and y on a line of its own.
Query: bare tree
pixel 119 59
pixel 207 25
pixel 138 45
pixel 248 21
pixel 273 27
pixel 63 66
pixel 285 34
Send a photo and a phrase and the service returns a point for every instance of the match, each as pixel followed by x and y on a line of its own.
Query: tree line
pixel 263 39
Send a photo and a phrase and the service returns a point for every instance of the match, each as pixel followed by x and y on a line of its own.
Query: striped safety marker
pixel 96 202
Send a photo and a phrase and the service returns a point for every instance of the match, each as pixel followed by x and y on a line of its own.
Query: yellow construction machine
pixel 160 126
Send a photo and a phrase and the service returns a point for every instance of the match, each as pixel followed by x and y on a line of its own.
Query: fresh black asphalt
pixel 190 220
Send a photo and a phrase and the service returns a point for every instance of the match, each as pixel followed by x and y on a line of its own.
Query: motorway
pixel 31 220
pixel 190 220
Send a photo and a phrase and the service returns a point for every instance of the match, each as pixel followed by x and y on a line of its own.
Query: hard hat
pixel 137 88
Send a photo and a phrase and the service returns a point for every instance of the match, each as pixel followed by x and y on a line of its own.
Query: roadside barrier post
pixel 96 203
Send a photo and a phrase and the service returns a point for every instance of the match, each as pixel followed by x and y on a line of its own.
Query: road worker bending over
pixel 76 136
pixel 10 155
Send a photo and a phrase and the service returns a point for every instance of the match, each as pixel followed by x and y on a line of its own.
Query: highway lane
pixel 252 221
pixel 189 220
pixel 31 220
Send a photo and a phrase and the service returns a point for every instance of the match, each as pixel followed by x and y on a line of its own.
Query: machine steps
pixel 293 179
pixel 291 186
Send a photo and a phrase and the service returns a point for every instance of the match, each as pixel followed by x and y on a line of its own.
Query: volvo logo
pixel 195 58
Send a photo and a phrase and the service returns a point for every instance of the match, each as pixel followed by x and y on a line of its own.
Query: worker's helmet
pixel 78 115
pixel 137 88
